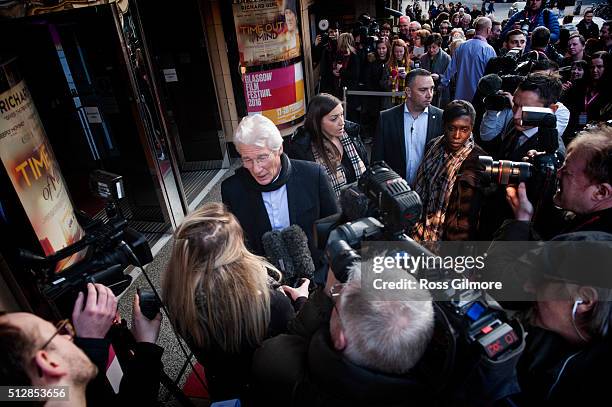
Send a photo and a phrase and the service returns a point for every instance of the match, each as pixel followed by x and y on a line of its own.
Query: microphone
pixel 276 252
pixel 296 243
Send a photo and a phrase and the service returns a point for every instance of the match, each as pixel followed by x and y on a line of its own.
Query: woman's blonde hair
pixel 346 42
pixel 215 289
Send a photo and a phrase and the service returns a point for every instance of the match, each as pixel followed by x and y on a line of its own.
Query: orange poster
pixel 35 174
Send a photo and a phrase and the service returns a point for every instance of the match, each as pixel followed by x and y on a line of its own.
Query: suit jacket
pixel 310 197
pixel 390 141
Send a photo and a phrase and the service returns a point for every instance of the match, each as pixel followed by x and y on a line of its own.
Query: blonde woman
pixel 220 299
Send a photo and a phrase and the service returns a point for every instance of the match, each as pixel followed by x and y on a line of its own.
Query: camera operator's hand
pixel 295 293
pixel 144 329
pixel 95 319
pixel 508 96
pixel 317 40
pixel 517 198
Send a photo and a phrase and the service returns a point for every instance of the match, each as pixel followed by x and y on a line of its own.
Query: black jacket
pixel 141 375
pixel 588 32
pixel 309 195
pixel 298 145
pixel 390 141
pixel 228 374
pixel 550 376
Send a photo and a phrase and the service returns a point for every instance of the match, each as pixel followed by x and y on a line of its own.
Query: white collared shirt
pixel 526 135
pixel 277 207
pixel 415 136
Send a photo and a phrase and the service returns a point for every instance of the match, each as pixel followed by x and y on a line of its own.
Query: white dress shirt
pixel 415 136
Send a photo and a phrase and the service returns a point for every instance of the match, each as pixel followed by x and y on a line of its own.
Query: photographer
pixel 59 361
pixel 584 189
pixel 324 53
pixel 534 15
pixel 512 140
pixel 349 346
pixel 568 350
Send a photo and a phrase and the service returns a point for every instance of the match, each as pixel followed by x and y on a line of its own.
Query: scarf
pixel 338 177
pixel 435 182
pixel 281 180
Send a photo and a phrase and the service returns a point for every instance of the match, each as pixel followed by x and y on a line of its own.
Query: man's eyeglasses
pixel 63 327
pixel 335 290
pixel 260 159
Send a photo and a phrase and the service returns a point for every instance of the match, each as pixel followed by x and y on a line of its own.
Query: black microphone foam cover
pixel 296 243
pixel 276 252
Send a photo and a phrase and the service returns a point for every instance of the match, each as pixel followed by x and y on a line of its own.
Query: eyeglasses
pixel 63 327
pixel 335 290
pixel 412 29
pixel 260 159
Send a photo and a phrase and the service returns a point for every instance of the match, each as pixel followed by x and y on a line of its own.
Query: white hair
pixel 388 335
pixel 259 131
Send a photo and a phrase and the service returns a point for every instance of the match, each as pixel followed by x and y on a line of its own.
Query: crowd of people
pixel 470 86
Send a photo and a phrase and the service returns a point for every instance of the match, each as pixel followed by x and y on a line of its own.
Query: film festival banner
pixel 32 168
pixel 267 33
pixel 278 94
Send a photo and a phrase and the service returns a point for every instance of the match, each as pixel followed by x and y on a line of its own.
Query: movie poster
pixel 33 170
pixel 268 33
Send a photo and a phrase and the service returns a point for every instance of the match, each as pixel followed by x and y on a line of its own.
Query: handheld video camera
pixel 474 319
pixel 110 246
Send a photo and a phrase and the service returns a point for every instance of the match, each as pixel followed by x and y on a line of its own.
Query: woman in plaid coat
pixel 328 139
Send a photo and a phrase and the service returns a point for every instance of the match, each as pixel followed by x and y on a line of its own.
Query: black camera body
pixel 524 23
pixel 480 327
pixel 110 245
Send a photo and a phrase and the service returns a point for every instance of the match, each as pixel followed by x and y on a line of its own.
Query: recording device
pixel 149 304
pixel 492 87
pixel 524 23
pixel 288 251
pixel 110 245
pixel 481 328
pixel 323 26
pixel 382 207
pixel 540 171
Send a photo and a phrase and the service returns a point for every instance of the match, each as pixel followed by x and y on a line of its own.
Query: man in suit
pixel 536 90
pixel 404 130
pixel 272 192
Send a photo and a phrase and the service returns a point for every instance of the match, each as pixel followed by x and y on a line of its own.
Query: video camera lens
pixel 505 172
